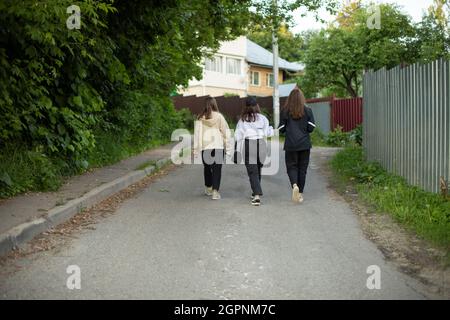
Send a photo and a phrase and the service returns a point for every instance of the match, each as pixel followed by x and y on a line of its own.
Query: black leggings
pixel 297 164
pixel 212 167
pixel 255 155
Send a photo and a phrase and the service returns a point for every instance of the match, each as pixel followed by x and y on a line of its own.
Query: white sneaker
pixel 208 191
pixel 296 195
pixel 216 195
pixel 300 199
pixel 256 201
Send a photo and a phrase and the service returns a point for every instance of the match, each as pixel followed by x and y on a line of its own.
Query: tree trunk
pixel 349 87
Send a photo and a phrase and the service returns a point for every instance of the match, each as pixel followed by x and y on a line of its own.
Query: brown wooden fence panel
pixel 193 103
pixel 230 107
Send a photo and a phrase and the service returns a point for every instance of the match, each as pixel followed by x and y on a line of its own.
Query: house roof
pixel 260 56
pixel 285 89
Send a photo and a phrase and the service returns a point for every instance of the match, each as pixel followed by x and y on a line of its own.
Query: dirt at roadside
pixel 407 251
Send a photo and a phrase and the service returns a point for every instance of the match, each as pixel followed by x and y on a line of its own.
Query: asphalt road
pixel 172 242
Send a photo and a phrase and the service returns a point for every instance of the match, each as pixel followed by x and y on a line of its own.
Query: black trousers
pixel 297 164
pixel 255 152
pixel 212 167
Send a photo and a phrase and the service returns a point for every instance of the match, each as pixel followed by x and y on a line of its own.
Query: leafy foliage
pixel 272 16
pixel 337 56
pixel 187 118
pixel 290 45
pixel 433 33
pixel 23 170
pixel 356 135
pixel 338 138
pixel 63 91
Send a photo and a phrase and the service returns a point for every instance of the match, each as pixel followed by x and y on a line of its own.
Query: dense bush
pixel 23 170
pixel 187 119
pixel 339 138
pixel 69 96
pixel 356 135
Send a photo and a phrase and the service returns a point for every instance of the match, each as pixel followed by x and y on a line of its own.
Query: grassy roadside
pixel 23 170
pixel 425 213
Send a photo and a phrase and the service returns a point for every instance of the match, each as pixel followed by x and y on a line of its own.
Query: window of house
pixel 213 64
pixel 270 80
pixel 255 78
pixel 233 66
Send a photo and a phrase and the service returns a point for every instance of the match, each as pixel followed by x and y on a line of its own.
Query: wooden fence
pixel 328 112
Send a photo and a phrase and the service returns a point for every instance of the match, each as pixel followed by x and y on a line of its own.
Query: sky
pixel 412 7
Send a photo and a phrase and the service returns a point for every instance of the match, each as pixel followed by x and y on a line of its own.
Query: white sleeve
pixel 239 133
pixel 268 130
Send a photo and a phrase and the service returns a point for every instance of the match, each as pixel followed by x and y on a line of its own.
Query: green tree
pixel 433 32
pixel 337 56
pixel 270 16
pixel 290 45
pixel 273 14
pixel 334 59
pixel 440 10
pixel 64 93
pixel 57 85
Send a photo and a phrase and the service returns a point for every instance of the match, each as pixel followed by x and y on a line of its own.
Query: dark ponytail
pixel 250 110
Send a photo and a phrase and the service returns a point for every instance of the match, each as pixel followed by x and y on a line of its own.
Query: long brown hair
pixel 251 109
pixel 295 104
pixel 210 106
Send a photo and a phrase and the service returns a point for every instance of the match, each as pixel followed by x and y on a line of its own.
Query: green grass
pixel 23 170
pixel 425 213
pixel 111 148
pixel 28 170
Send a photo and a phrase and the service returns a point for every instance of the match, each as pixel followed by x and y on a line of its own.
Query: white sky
pixel 414 8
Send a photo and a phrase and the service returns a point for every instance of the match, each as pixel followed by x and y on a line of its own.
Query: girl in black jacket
pixel 297 122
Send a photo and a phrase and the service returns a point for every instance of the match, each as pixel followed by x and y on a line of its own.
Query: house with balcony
pixel 240 67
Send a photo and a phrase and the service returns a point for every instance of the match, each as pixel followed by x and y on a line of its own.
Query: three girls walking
pixel 212 138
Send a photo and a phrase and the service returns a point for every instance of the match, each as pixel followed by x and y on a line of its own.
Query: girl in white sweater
pixel 211 139
pixel 251 131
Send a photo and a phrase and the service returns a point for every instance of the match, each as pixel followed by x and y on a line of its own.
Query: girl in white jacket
pixel 211 139
pixel 251 131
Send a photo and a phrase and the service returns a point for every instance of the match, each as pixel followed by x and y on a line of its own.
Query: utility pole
pixel 276 94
